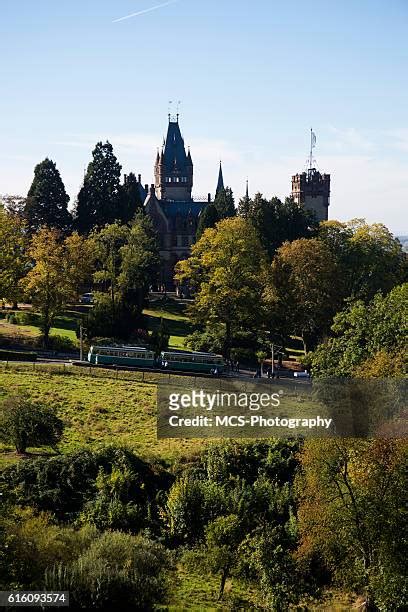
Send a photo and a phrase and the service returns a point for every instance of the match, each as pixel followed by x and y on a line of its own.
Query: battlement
pixel 312 190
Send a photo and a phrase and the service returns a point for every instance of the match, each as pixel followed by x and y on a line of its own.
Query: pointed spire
pixel 220 183
pixel 247 190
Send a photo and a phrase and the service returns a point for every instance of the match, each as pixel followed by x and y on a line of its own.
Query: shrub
pixel 32 542
pixel 85 481
pixel 6 355
pixel 62 344
pixel 24 423
pixel 117 571
pixel 26 318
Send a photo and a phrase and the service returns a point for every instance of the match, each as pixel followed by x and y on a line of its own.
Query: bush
pixel 62 344
pixel 32 542
pixel 6 355
pixel 25 318
pixel 12 318
pixel 117 571
pixel 85 481
pixel 24 423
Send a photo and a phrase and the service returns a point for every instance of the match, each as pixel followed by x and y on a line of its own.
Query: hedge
pixel 7 355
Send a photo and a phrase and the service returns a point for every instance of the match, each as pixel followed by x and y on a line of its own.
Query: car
pixel 86 298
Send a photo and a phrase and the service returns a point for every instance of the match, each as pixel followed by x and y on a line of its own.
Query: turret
pixel 174 168
pixel 220 182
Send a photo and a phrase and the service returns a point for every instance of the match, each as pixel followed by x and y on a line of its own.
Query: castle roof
pixel 220 183
pixel 181 208
pixel 174 154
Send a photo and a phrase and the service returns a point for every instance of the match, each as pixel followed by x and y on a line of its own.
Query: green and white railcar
pixel 133 356
pixel 208 363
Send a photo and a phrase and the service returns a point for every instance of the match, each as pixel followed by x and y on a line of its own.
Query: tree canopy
pixel 99 199
pixel 277 222
pixel 47 200
pixel 224 203
pixel 369 257
pixel 303 293
pixel 362 332
pixel 227 271
pixel 13 257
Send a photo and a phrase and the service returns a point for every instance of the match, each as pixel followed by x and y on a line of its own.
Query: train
pixel 169 360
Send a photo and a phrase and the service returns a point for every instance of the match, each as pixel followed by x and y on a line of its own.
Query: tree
pixel 352 514
pixel 362 332
pixel 227 271
pixel 369 258
pixel 13 258
pixel 131 200
pixel 303 289
pixel 59 269
pixel 224 203
pixel 160 337
pixel 127 261
pixel 47 200
pixel 139 263
pixel 108 243
pixel 277 222
pixel 223 537
pixel 46 283
pixel 208 218
pixel 99 199
pixel 25 423
pixel 79 260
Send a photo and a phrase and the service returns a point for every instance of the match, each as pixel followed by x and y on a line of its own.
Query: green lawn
pixel 173 313
pixel 96 410
pixel 195 591
pixel 65 325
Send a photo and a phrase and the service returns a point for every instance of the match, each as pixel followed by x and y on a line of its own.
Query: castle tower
pixel 220 182
pixel 173 170
pixel 311 188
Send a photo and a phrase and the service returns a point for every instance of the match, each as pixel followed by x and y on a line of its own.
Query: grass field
pixel 172 311
pixel 96 411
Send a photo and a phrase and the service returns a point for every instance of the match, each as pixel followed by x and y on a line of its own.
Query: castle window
pixel 168 179
pixel 184 179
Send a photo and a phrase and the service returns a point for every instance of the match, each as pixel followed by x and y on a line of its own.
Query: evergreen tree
pixel 99 199
pixel 277 222
pixel 131 200
pixel 208 218
pixel 47 200
pixel 224 203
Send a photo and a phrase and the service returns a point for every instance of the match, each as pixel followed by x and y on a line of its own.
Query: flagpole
pixel 311 148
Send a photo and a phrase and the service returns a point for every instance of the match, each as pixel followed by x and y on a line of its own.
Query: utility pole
pixel 273 359
pixel 81 345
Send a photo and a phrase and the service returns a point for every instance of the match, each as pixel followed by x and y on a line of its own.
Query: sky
pixel 252 79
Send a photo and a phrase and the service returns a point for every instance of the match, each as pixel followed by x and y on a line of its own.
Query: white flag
pixel 313 139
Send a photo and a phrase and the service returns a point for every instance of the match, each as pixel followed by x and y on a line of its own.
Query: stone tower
pixel 173 170
pixel 312 189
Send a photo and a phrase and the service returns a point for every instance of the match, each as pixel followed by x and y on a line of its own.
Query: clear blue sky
pixel 253 77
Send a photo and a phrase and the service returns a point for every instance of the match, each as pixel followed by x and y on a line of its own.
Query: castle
pixel 170 205
pixel 175 213
pixel 312 190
